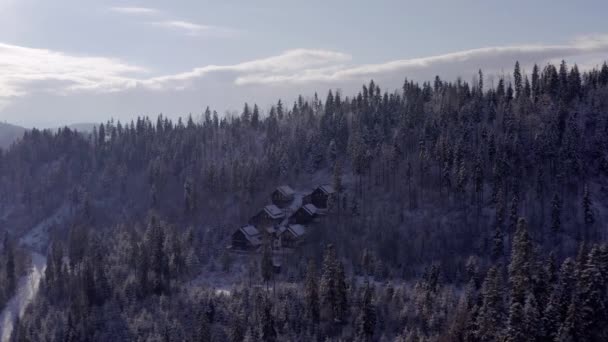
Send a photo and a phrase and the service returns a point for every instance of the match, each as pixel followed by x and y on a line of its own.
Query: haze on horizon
pixel 68 62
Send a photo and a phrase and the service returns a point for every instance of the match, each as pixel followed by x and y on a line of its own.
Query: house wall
pixel 239 241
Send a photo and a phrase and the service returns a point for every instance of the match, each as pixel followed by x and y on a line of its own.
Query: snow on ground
pixel 37 237
pixel 36 241
pixel 26 292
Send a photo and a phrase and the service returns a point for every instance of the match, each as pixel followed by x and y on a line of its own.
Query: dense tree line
pixel 464 213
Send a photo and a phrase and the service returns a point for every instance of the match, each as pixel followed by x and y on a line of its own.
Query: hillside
pixel 9 134
pixel 448 211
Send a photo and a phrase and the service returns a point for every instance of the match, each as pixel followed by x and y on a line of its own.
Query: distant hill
pixel 9 133
pixel 83 127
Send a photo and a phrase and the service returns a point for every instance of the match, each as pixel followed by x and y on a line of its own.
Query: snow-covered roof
pixel 250 230
pixel 310 208
pixel 274 212
pixel 327 189
pixel 285 190
pixel 297 229
pixel 252 235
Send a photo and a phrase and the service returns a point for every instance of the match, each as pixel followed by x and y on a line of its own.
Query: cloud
pixel 193 29
pixel 286 62
pixel 24 70
pixel 492 59
pixel 183 26
pixel 135 10
pixel 35 80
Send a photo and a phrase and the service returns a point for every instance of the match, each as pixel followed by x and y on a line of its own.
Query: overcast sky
pixel 69 61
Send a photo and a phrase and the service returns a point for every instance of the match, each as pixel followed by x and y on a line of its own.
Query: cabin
pixel 305 214
pixel 270 216
pixel 282 196
pixel 246 238
pixel 293 235
pixel 320 196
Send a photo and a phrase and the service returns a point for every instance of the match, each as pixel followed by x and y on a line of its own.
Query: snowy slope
pixel 36 241
pixel 26 292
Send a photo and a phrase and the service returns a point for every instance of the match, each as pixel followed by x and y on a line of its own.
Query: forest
pixel 464 211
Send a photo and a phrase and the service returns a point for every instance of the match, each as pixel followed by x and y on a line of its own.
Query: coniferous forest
pixel 462 212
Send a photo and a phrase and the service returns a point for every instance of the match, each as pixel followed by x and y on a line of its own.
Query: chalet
pixel 270 216
pixel 305 214
pixel 247 238
pixel 282 196
pixel 293 235
pixel 320 196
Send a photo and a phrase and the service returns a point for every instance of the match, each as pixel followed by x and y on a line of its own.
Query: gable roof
pixel 310 209
pixel 252 235
pixel 250 230
pixel 274 212
pixel 297 230
pixel 327 189
pixel 285 190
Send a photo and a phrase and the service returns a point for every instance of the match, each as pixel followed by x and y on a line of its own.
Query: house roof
pixel 297 229
pixel 250 230
pixel 327 189
pixel 310 208
pixel 285 190
pixel 252 235
pixel 274 212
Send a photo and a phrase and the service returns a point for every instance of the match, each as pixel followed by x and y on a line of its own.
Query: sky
pixel 69 61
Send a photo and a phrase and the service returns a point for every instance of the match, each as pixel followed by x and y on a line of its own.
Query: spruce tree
pixel 517 79
pixel 556 209
pixel 516 327
pixel 491 313
pixel 312 293
pixel 366 322
pixel 521 267
pixel 587 207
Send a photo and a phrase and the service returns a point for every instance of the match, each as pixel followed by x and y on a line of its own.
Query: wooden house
pixel 293 235
pixel 246 238
pixel 282 196
pixel 270 216
pixel 320 196
pixel 305 214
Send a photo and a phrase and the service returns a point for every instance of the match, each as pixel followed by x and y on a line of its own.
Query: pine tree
pixel 517 79
pixel 367 317
pixel 516 325
pixel 533 327
pixel 535 83
pixel 203 330
pixel 478 175
pixel 255 117
pixel 269 333
pixel 9 268
pixel 593 296
pixel 557 307
pixel 337 176
pixel 497 244
pixel 266 266
pixel 556 209
pixel 491 313
pixel 327 287
pixel 237 328
pixel 341 293
pixel 521 266
pixel 312 293
pixel 587 207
